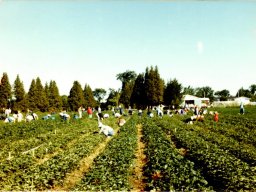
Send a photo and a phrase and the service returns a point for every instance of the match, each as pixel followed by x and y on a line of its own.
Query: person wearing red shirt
pixel 216 117
pixel 89 111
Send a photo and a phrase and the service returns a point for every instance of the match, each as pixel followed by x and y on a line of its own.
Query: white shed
pixel 244 100
pixel 191 101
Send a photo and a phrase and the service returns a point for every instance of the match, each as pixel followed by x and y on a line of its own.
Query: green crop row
pixel 110 170
pixel 52 172
pixel 221 169
pixel 50 140
pixel 245 152
pixel 67 136
pixel 240 120
pixel 166 169
pixel 239 132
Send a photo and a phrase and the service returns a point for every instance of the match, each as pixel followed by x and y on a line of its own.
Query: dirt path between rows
pixel 75 176
pixel 137 179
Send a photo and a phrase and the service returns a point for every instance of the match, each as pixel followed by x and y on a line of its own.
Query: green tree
pixel 205 92
pixel 54 98
pixel 126 77
pixel 88 95
pixel 188 91
pixel 244 93
pixel 154 87
pixel 173 93
pixel 99 94
pixel 253 89
pixel 42 100
pixel 65 104
pixel 126 93
pixel 19 94
pixel 47 90
pixel 138 92
pixel 223 94
pixel 31 96
pixel 113 98
pixel 253 92
pixel 5 92
pixel 76 96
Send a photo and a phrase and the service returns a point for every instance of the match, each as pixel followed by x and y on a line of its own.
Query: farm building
pixel 191 101
pixel 235 102
pixel 244 100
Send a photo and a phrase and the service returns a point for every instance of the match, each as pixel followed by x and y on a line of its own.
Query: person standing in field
pixel 216 116
pixel 196 112
pixel 80 110
pixel 241 108
pixel 89 111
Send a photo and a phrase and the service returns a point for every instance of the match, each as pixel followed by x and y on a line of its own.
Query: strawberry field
pixel 161 154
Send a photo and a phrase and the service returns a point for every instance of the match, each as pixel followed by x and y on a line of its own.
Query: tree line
pixel 142 91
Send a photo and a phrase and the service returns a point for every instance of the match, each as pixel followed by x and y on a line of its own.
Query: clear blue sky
pixel 200 43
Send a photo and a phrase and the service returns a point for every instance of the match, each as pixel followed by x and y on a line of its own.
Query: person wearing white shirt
pixel 106 130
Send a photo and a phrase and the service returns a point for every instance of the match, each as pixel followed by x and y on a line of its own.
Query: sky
pixel 200 43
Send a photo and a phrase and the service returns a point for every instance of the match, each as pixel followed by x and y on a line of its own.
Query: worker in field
pixel 216 116
pixel 105 129
pixel 80 112
pixel 196 110
pixel 241 108
pixel 89 111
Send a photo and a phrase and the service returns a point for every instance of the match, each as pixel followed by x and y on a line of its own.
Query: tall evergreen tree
pixel 54 98
pixel 76 96
pixel 172 93
pixel 65 104
pixel 126 93
pixel 159 83
pixel 5 92
pixel 154 87
pixel 19 94
pixel 31 96
pixel 47 90
pixel 88 96
pixel 138 92
pixel 42 100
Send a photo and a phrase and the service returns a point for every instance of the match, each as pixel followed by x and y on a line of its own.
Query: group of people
pixel 18 116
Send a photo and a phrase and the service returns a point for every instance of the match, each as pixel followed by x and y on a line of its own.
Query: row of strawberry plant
pixel 238 132
pixel 110 170
pixel 223 170
pixel 73 134
pixel 23 130
pixel 50 140
pixel 244 151
pixel 219 136
pixel 166 169
pixel 52 172
pixel 242 121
